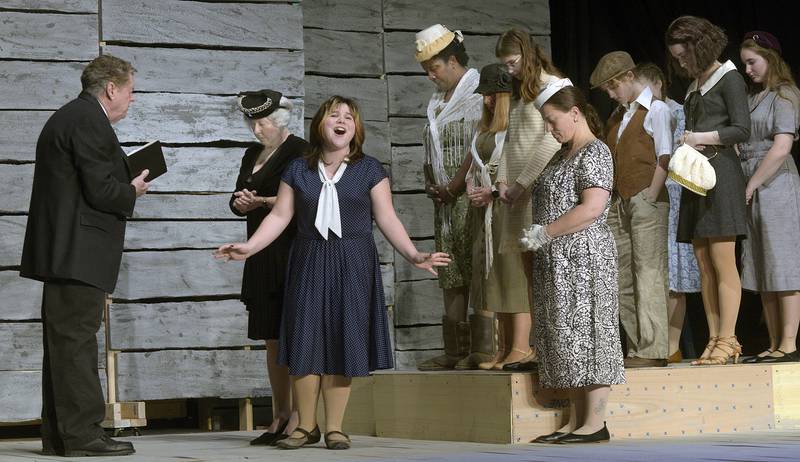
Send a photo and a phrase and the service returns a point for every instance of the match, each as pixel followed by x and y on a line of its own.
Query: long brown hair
pixel 317 136
pixel 704 43
pixel 534 60
pixel 569 97
pixel 779 76
pixel 496 120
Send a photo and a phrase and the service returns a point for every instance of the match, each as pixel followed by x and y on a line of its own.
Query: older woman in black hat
pixel 268 113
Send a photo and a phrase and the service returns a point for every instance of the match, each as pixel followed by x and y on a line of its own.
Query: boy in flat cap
pixel 639 134
pixel 454 112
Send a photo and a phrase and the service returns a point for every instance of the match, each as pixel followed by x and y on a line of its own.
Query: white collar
pixel 715 77
pixel 102 107
pixel 644 99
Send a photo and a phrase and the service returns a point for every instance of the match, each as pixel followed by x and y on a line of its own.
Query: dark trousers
pixel 72 399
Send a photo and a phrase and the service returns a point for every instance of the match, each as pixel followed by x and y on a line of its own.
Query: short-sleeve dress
pixel 334 320
pixel 264 272
pixel 718 105
pixel 576 306
pixel 770 255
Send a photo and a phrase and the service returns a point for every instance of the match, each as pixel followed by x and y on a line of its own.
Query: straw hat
pixel 431 41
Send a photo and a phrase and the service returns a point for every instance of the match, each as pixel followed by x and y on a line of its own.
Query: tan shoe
pixel 309 437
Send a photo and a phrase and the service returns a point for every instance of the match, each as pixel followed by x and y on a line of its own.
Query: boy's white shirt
pixel 658 123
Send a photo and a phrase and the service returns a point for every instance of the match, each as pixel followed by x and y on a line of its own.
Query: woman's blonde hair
pixel 533 59
pixel 496 120
pixel 317 135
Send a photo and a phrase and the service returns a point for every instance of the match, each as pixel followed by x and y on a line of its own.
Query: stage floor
pixel 233 446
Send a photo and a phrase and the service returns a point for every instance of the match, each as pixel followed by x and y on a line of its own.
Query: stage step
pixel 497 407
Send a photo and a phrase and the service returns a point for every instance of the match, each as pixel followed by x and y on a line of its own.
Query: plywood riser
pixel 509 408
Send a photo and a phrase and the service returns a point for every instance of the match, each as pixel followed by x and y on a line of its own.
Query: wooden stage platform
pixel 496 407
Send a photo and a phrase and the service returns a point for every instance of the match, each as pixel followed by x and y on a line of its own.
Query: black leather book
pixel 151 157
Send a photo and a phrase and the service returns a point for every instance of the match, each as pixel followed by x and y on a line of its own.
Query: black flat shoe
pixel 103 446
pixel 600 436
pixel 757 358
pixel 527 366
pixel 268 438
pixel 549 439
pixel 786 358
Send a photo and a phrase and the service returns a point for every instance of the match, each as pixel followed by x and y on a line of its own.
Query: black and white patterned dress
pixel 576 303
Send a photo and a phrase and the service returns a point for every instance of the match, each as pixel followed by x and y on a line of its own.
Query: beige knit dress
pixel 527 150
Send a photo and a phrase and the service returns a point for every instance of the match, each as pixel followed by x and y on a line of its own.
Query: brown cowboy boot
pixel 456 346
pixel 482 346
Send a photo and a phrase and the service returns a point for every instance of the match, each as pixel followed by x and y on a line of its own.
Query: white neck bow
pixel 328 216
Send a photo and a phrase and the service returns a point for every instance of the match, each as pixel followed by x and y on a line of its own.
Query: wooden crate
pixel 497 407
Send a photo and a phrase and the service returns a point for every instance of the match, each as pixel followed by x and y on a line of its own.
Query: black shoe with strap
pixel 267 438
pixel 309 437
pixel 600 436
pixel 337 444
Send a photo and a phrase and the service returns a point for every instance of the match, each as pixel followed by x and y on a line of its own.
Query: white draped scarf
pixel 464 104
pixel 483 172
pixel 328 215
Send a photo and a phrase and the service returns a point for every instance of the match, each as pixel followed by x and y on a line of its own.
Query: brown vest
pixel 634 153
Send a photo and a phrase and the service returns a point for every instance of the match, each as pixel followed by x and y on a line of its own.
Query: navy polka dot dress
pixel 334 320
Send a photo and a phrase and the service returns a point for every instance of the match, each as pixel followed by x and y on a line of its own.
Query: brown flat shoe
pixel 309 437
pixel 337 444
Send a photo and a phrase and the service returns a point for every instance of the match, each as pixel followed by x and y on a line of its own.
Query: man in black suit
pixel 82 195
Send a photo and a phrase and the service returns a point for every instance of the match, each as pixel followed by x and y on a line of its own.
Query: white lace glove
pixel 535 237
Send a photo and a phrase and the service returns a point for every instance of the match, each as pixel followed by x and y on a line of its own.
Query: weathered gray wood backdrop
pixel 365 49
pixel 176 318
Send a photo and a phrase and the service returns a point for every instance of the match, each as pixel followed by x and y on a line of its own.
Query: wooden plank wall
pixel 43 47
pixel 365 50
pixel 176 317
pixel 176 312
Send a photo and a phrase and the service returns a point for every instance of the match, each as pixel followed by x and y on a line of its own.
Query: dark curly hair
pixel 704 43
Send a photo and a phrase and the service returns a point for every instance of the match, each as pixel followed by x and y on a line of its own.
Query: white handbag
pixel 692 170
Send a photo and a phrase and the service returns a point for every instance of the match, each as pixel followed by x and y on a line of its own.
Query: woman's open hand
pixel 428 261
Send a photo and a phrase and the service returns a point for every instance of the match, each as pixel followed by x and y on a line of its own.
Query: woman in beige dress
pixel 526 151
pixel 495 277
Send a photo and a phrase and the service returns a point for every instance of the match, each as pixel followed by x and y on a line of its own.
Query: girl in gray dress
pixel 716 118
pixel 770 255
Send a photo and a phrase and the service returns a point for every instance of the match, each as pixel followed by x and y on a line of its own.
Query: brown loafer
pixel 337 444
pixel 634 362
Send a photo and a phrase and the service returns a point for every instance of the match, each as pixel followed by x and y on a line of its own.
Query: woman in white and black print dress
pixel 575 270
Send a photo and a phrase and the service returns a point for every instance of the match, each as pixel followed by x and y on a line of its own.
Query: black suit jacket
pixel 80 200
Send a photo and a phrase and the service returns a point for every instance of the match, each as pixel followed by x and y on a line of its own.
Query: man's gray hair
pixel 104 69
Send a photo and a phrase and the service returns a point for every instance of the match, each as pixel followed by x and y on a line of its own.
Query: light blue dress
pixel 684 275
